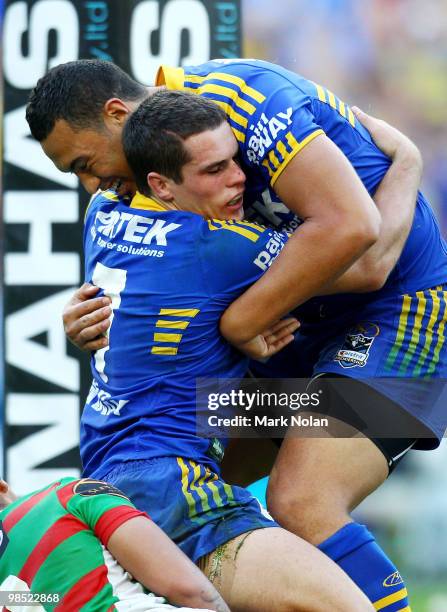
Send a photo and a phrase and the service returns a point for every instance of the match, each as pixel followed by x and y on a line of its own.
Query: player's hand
pixel 389 139
pixel 270 342
pixel 86 318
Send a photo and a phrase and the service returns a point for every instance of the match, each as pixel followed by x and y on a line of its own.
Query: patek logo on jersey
pixel 3 540
pixel 271 251
pixel 87 487
pixel 355 349
pixel 136 228
pixel 102 402
pixel 265 133
pixel 392 580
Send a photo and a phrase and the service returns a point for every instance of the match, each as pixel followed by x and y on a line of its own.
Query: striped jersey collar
pixel 173 78
pixel 143 202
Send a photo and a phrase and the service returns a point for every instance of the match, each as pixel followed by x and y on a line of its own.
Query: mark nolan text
pixel 265 421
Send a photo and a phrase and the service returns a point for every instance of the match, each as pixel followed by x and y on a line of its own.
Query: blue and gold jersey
pixel 274 113
pixel 170 276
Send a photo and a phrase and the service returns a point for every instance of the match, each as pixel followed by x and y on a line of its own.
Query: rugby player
pixel 72 141
pixel 170 275
pixel 73 542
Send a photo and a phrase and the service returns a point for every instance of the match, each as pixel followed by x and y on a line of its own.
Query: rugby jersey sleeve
pixel 100 506
pixel 234 254
pixel 269 110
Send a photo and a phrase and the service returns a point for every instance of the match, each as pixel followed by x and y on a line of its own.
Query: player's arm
pixel 395 198
pixel 140 546
pixel 145 551
pixel 340 222
pixel 232 257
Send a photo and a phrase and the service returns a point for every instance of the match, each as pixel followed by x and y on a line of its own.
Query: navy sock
pixel 355 550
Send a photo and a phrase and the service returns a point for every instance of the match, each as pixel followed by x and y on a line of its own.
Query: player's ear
pixel 160 186
pixel 115 111
pixel 3 487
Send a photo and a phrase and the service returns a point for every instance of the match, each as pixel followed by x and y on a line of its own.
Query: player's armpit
pixel 145 551
pixel 340 223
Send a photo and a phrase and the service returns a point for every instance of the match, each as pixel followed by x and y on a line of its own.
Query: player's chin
pixel 124 188
pixel 233 213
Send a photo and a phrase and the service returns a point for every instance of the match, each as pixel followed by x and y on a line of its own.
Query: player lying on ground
pixel 76 541
pixel 85 137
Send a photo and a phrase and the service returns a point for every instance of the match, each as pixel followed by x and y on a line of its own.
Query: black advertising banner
pixel 46 379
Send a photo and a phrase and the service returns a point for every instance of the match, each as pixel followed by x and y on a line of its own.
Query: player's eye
pixel 80 167
pixel 215 169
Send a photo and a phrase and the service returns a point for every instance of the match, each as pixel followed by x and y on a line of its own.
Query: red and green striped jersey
pixel 55 541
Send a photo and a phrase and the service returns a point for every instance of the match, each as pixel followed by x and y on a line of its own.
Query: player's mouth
pixel 236 203
pixel 120 186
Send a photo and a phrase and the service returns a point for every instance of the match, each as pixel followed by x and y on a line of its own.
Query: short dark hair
pixel 153 135
pixel 76 92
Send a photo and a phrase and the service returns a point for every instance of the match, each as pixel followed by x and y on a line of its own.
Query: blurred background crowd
pixel 387 56
pixel 390 58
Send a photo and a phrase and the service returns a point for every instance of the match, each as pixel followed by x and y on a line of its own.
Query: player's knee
pixel 301 508
pixel 285 499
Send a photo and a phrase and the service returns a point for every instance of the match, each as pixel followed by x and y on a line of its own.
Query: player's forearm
pixel 145 551
pixel 299 273
pixel 395 199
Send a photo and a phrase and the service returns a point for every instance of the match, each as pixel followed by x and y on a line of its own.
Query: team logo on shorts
pixel 355 349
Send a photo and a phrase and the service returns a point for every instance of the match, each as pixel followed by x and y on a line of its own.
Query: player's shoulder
pixel 103 199
pixel 232 230
pixel 243 71
pixel 231 240
pixel 89 487
pixel 83 487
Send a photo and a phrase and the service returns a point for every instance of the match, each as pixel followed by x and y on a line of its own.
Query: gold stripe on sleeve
pixel 296 149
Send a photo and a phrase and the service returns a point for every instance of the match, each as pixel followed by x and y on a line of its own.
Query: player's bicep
pixel 320 181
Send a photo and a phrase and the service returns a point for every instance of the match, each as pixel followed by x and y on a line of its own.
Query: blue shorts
pixel 394 343
pixel 193 505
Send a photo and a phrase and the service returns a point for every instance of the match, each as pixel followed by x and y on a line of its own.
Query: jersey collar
pixel 144 203
pixel 173 78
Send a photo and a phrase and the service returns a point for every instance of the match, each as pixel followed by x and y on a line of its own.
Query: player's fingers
pixel 280 325
pixel 96 344
pixel 74 313
pixel 279 345
pixel 281 329
pixel 85 327
pixel 363 117
pixel 85 292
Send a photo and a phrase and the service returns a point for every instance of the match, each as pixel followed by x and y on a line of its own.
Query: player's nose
pixel 90 183
pixel 237 175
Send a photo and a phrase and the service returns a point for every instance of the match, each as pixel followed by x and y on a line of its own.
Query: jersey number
pixel 112 281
